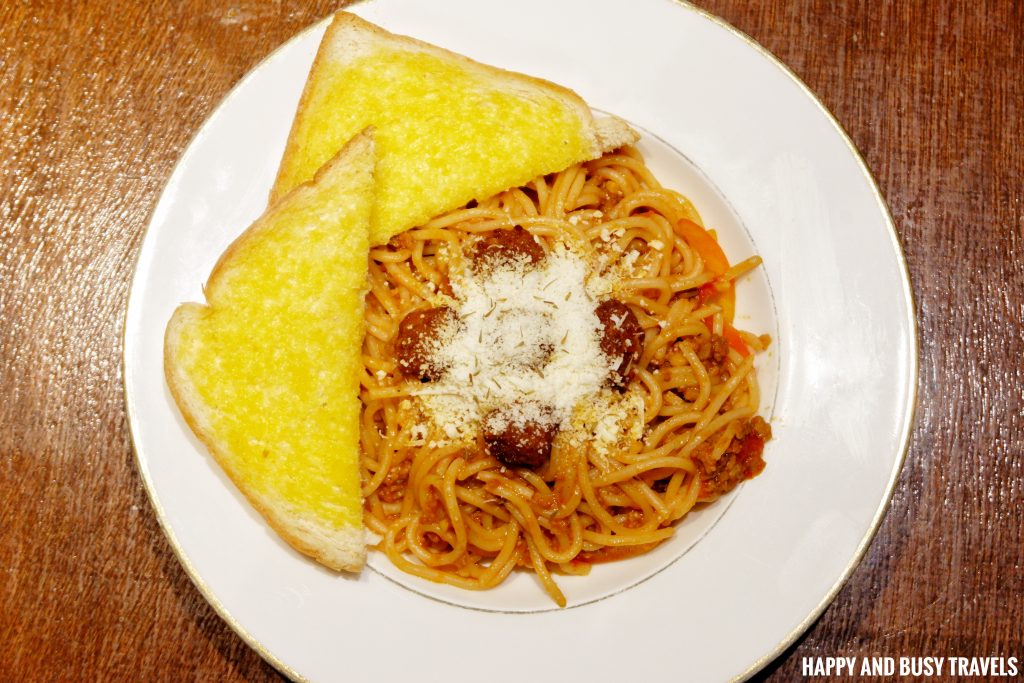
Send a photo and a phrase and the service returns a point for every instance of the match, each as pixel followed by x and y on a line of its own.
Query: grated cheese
pixel 528 336
pixel 608 420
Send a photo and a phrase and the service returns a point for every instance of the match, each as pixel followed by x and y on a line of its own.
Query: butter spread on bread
pixel 267 372
pixel 449 129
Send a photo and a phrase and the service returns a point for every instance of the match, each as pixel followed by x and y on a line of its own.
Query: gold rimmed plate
pixel 723 122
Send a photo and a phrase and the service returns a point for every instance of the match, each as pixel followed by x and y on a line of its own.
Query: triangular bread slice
pixel 267 373
pixel 449 129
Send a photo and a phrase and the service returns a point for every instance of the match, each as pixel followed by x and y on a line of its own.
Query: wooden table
pixel 100 98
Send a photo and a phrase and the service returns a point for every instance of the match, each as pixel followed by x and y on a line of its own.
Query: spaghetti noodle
pixel 630 460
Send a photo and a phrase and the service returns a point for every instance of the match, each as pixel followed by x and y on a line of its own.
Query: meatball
pixel 506 245
pixel 519 441
pixel 416 344
pixel 622 339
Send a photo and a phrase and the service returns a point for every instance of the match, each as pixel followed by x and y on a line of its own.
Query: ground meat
pixel 714 349
pixel 633 519
pixel 741 460
pixel 434 542
pixel 506 245
pixel 756 425
pixel 518 442
pixel 622 339
pixel 611 195
pixel 415 344
pixel 391 490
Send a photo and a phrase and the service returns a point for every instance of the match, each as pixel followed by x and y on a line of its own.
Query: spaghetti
pixel 630 460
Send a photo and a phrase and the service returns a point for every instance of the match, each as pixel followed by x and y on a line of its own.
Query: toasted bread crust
pixel 341 548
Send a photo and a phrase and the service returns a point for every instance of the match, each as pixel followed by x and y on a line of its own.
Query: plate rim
pixel 910 407
pixel 131 418
pixel 913 378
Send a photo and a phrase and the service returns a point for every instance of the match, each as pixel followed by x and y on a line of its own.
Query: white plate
pixel 769 167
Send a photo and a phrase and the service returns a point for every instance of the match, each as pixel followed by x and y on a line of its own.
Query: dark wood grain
pixel 100 98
